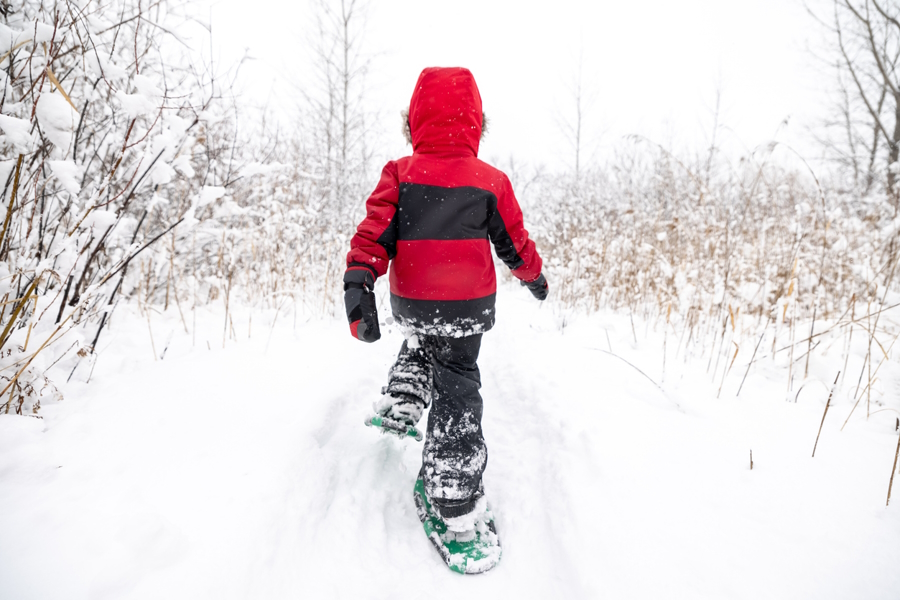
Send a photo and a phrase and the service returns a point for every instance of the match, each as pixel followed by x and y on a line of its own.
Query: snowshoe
pixel 394 427
pixel 474 549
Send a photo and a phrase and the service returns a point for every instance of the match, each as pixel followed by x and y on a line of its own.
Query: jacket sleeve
pixel 509 236
pixel 375 242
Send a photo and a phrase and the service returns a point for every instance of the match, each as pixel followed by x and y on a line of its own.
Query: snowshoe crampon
pixel 471 552
pixel 398 428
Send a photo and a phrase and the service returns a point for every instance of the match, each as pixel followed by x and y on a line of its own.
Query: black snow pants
pixel 442 370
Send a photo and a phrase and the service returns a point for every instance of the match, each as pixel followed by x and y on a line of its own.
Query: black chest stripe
pixel 429 212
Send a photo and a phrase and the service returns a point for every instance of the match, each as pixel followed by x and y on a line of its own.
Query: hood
pixel 445 112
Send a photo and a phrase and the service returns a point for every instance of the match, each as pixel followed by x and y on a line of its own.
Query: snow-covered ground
pixel 246 472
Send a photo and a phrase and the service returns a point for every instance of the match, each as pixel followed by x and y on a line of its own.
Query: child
pixel 432 216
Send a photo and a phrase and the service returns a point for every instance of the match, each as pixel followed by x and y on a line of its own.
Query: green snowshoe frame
pixel 393 427
pixel 480 554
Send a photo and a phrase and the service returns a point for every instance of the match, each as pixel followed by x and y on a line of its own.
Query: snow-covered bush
pixel 112 147
pixel 131 173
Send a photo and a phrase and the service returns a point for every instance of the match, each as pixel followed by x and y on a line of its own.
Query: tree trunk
pixel 895 152
pixel 870 172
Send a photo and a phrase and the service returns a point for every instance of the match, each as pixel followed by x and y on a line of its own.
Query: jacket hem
pixel 448 318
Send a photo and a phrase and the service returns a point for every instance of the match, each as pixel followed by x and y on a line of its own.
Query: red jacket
pixel 434 214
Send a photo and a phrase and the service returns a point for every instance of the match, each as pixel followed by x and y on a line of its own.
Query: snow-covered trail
pixel 247 473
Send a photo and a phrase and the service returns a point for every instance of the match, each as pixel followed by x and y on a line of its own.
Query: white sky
pixel 654 66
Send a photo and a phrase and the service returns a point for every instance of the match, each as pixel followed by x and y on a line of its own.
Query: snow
pixel 57 118
pixel 183 164
pixel 99 219
pixel 246 471
pixel 209 194
pixel 68 174
pixel 162 174
pixel 43 31
pixel 146 86
pixel 33 31
pixel 100 65
pixel 17 133
pixel 257 168
pixel 135 105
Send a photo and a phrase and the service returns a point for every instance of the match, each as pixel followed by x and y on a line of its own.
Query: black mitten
pixel 538 287
pixel 360 303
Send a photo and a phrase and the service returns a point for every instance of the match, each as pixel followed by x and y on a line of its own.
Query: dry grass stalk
pixel 867 390
pixel 12 203
pixel 152 343
pixel 893 470
pixel 812 330
pixel 827 404
pixel 55 82
pixel 850 335
pixel 752 358
pixel 728 369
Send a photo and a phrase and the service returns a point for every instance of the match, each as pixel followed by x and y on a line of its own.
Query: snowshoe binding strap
pixel 393 427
